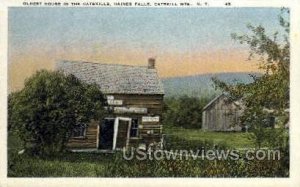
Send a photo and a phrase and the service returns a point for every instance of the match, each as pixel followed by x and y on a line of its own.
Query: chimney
pixel 151 63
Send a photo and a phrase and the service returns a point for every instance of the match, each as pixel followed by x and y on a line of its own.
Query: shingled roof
pixel 115 78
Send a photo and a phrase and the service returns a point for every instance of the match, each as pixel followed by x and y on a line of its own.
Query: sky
pixel 184 41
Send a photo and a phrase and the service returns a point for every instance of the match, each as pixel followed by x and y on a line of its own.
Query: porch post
pixel 116 126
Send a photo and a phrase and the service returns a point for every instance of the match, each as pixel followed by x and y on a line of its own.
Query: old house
pixel 134 96
pixel 222 114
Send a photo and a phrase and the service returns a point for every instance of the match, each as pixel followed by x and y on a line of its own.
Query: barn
pixel 222 114
pixel 135 99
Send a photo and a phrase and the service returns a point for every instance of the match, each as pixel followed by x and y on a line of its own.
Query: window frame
pixel 134 128
pixel 84 127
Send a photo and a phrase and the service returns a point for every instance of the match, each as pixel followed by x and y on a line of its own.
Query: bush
pixel 184 112
pixel 45 112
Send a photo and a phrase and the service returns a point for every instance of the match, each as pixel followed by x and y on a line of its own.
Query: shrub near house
pixel 50 106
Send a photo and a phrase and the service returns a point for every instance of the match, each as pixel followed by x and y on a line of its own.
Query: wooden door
pixel 122 135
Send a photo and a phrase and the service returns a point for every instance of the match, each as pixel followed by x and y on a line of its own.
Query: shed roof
pixel 115 78
pixel 223 95
pixel 213 101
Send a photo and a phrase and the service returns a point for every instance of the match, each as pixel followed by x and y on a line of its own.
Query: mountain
pixel 201 85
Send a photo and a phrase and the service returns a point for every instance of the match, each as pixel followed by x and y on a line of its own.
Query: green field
pixel 231 139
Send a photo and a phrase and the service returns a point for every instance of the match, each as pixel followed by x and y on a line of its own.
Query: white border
pixel 293 180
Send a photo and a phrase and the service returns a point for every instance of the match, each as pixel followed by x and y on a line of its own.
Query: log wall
pixel 87 142
pixel 148 132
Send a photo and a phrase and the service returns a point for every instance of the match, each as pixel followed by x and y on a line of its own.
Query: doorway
pixel 106 134
pixel 114 133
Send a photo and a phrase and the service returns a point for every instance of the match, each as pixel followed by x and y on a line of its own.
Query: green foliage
pixel 268 95
pixel 113 165
pixel 271 138
pixel 45 112
pixel 184 112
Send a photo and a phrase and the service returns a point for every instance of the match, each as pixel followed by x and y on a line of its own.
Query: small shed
pixel 222 114
pixel 135 98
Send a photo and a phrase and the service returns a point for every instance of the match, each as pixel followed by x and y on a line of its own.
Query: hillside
pixel 200 85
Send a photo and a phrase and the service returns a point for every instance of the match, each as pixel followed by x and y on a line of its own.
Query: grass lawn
pixel 114 165
pixel 64 165
pixel 232 139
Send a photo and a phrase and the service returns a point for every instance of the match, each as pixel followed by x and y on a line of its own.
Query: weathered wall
pixel 87 142
pixel 222 115
pixel 148 132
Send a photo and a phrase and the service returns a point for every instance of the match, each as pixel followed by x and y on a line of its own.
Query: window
pixel 79 131
pixel 134 127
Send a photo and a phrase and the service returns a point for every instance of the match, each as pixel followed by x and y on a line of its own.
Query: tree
pixel 46 111
pixel 268 95
pixel 184 111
